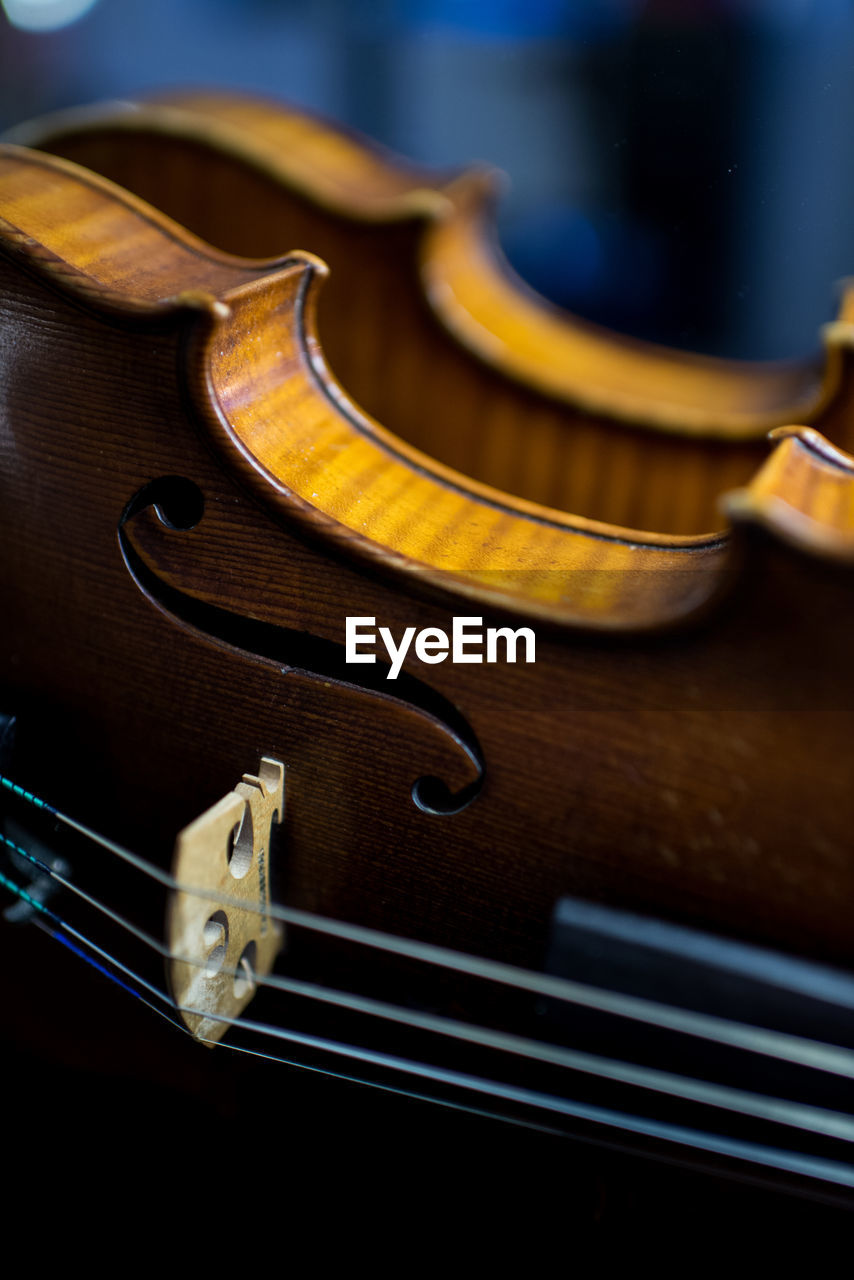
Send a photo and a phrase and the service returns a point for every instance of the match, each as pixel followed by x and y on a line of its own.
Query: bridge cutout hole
pixel 216 942
pixel 244 974
pixel 240 846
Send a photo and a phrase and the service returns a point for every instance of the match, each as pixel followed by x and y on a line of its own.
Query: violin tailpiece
pixel 219 947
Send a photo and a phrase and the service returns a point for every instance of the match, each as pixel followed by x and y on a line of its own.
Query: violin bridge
pixel 219 947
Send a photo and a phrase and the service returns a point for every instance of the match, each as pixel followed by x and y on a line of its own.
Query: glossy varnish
pixel 428 330
pixel 682 742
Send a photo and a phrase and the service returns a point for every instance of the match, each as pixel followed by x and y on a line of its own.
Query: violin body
pixel 684 701
pixel 192 508
pixel 451 352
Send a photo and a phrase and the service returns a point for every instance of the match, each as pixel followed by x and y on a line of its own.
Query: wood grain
pixel 451 352
pixel 682 742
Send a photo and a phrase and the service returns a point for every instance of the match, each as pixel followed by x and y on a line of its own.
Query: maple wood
pixel 682 742
pixel 426 327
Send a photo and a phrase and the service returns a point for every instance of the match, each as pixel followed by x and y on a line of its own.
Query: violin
pixel 452 352
pixel 207 539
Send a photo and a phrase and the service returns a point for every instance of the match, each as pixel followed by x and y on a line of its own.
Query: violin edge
pixel 466 281
pixel 537 547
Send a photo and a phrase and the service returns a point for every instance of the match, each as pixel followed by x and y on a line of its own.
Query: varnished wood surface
pixel 703 772
pixel 471 288
pixel 448 350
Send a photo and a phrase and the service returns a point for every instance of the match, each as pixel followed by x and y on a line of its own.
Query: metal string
pixel 813 1119
pixel 783 1046
pixel 794 1162
pixel 696 1139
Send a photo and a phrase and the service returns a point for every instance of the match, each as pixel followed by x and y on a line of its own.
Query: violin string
pixel 840 993
pixel 786 1160
pixel 95 837
pixel 760 1106
pixel 836 1059
pixel 140 934
pixel 75 941
pixel 696 1139
pixel 620 1121
pixel 399 1091
pixel 816 1120
pixel 45 914
pixel 779 1045
pixel 169 1014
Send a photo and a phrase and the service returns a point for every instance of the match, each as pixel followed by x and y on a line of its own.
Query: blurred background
pixel 679 168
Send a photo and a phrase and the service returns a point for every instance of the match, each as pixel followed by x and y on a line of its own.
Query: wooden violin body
pixel 680 741
pixel 192 507
pixel 427 329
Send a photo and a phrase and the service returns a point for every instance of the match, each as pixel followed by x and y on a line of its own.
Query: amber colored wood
pixel 682 742
pixel 426 327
